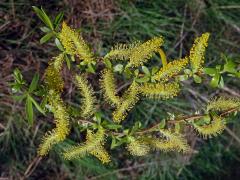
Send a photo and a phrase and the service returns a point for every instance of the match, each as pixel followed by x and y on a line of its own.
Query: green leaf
pixel 136 72
pixel 221 82
pixel 197 79
pixel 117 142
pixel 46 38
pixel 127 72
pixel 98 117
pixel 183 77
pixel 200 122
pixel 18 76
pixel 45 29
pixel 29 110
pixel 113 126
pixel 36 105
pixel 43 16
pixel 146 70
pixel 230 67
pixel 90 68
pixel 58 19
pixel 155 70
pixel 237 74
pixel 188 71
pixel 143 79
pixel 136 126
pixel 162 124
pixel 34 83
pixel 215 80
pixel 177 127
pixel 210 71
pixel 58 44
pixel 108 63
pixel 207 119
pixel 68 61
pixel 19 98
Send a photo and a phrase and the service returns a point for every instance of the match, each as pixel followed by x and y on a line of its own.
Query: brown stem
pixel 155 126
pixel 187 118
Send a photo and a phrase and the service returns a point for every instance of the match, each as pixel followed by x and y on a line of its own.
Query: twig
pixel 186 118
pixel 231 91
pixel 31 167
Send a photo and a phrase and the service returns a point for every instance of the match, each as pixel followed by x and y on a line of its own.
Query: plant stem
pixel 186 119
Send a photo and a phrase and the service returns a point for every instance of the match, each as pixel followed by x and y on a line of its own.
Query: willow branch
pixel 186 119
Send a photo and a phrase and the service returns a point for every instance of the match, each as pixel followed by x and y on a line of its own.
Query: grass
pixel 179 22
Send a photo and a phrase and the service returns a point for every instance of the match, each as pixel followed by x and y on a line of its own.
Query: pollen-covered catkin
pixel 144 52
pixel 138 147
pixel 197 52
pixel 121 51
pixel 53 78
pixel 109 88
pixel 160 90
pixel 74 44
pixel 170 141
pixel 62 123
pixel 129 99
pixel 216 127
pixel 171 69
pixel 223 103
pixel 87 93
pixel 93 145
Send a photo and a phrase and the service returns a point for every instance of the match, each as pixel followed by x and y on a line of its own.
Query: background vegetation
pixel 103 23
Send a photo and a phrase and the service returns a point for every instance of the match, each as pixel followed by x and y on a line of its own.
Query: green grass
pixel 179 22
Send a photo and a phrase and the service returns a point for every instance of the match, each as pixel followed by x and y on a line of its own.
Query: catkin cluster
pixel 161 85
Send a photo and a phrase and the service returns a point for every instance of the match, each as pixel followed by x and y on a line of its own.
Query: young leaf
pixel 43 16
pixel 46 37
pixel 29 110
pixel 145 70
pixel 36 105
pixel 215 80
pixel 45 29
pixel 58 44
pixel 58 19
pixel 197 79
pixel 230 67
pixel 210 71
pixel 34 83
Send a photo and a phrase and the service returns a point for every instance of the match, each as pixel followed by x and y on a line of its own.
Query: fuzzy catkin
pixel 197 52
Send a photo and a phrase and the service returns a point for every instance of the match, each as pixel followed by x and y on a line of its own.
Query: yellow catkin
pixel 171 69
pixel 53 79
pixel 144 52
pixel 61 120
pixel 138 147
pixel 93 145
pixel 121 51
pixel 87 93
pixel 74 44
pixel 170 141
pixel 160 90
pixel 216 127
pixel 54 83
pixel 197 52
pixel 109 87
pixel 223 103
pixel 128 100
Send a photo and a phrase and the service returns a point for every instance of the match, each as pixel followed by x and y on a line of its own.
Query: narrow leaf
pixel 46 38
pixel 29 110
pixel 34 83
